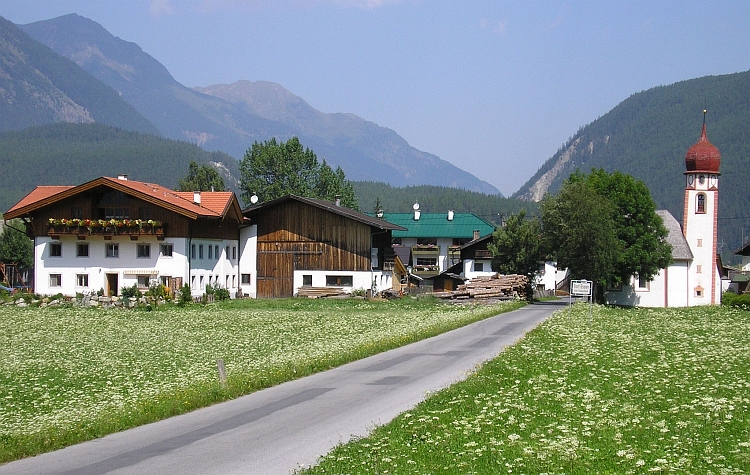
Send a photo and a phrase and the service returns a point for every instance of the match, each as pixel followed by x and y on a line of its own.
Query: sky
pixel 494 87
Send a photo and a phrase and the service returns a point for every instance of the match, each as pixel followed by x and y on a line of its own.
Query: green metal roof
pixel 437 225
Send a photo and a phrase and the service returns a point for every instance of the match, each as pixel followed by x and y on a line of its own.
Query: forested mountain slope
pixel 71 154
pixel 38 86
pixel 647 136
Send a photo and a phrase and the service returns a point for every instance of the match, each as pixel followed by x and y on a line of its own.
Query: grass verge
pixel 68 374
pixel 632 391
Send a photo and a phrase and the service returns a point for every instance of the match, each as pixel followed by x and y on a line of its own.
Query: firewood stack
pixel 498 286
pixel 322 292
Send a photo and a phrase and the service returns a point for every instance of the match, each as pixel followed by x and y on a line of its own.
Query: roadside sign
pixel 580 288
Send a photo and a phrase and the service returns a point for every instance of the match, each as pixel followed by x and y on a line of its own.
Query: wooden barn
pixel 304 242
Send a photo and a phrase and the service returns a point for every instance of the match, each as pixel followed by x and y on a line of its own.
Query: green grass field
pixel 633 391
pixel 71 374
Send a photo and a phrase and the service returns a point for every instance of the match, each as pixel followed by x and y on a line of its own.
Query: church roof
pixel 680 248
pixel 703 156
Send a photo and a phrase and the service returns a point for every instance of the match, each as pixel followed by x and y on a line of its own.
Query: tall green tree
pixel 201 178
pixel 15 246
pixel 518 248
pixel 580 231
pixel 641 232
pixel 274 169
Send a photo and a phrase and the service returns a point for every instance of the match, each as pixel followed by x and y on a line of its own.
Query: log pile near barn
pixel 322 292
pixel 501 287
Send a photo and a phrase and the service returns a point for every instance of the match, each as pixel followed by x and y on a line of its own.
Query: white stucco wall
pixel 365 280
pixel 469 266
pixel 249 259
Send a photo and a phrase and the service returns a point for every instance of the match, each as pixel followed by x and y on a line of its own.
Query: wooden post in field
pixel 222 372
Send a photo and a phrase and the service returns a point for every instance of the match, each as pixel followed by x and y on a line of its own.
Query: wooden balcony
pixel 109 230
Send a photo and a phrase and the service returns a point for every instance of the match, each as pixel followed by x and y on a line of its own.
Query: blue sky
pixel 494 87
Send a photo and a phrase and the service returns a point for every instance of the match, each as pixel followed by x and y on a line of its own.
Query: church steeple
pixel 703 157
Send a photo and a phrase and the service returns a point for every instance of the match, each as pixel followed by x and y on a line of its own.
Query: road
pixel 283 428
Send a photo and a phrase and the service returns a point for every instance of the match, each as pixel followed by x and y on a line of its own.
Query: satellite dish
pixel 254 198
pixel 416 206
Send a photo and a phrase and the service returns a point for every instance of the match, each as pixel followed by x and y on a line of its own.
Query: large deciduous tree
pixel 15 245
pixel 580 231
pixel 201 178
pixel 604 227
pixel 274 169
pixel 518 248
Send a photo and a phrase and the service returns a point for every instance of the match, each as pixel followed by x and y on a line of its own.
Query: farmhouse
pixel 694 277
pixel 111 233
pixel 310 243
pixel 435 239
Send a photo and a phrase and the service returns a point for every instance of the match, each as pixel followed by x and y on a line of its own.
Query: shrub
pixel 131 292
pixel 158 291
pixel 185 296
pixel 730 299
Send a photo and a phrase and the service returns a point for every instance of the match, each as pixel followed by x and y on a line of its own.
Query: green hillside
pixel 38 86
pixel 438 199
pixel 647 136
pixel 71 154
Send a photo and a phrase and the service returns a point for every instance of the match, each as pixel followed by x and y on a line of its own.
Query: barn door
pixel 275 270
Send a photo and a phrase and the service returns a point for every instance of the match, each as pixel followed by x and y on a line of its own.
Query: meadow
pixel 628 391
pixel 73 374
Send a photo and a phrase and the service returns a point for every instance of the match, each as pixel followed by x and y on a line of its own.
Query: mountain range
pixel 231 117
pixel 647 136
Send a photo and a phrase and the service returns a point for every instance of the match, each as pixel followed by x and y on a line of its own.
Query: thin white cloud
pixel 161 7
pixel 499 27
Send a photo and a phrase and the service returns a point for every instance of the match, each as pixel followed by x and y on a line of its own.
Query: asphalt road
pixel 283 428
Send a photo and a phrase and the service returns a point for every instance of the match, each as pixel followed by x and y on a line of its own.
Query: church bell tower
pixel 700 220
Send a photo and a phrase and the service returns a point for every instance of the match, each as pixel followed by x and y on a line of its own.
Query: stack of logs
pixel 322 292
pixel 493 287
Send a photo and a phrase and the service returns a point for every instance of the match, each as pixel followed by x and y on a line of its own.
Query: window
pixel 165 280
pixel 143 251
pixel 113 204
pixel 426 241
pixel 201 281
pixel 82 249
pixel 55 280
pixel 700 242
pixel 166 250
pixel 144 281
pixel 82 280
pixel 200 251
pixel 234 252
pixel 699 269
pixel 339 280
pixel 216 252
pixel 307 280
pixel 700 206
pixel 144 213
pixel 426 261
pixel 76 213
pixel 113 250
pixel 479 267
pixel 55 249
pixel 246 279
pixel 192 251
pixel 226 252
pixel 699 291
pixel 642 283
pixel 210 252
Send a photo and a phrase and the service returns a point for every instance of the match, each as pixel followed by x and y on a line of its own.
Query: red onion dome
pixel 703 156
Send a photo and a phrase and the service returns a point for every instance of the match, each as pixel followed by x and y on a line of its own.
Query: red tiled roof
pixel 213 203
pixel 39 193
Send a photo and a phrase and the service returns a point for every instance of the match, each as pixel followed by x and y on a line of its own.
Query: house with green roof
pixel 435 239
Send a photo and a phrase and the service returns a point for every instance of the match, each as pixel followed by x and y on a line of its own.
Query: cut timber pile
pixel 321 292
pixel 496 287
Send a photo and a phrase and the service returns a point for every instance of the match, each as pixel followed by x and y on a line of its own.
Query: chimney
pixel 197 197
pixel 450 215
pixel 476 234
pixel 122 176
pixel 338 200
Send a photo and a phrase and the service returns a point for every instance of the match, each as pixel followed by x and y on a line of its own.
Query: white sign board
pixel 580 288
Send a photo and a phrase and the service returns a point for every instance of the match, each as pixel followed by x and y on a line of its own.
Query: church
pixel 694 277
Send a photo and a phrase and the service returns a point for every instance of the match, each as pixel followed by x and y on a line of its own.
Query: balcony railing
pixel 105 227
